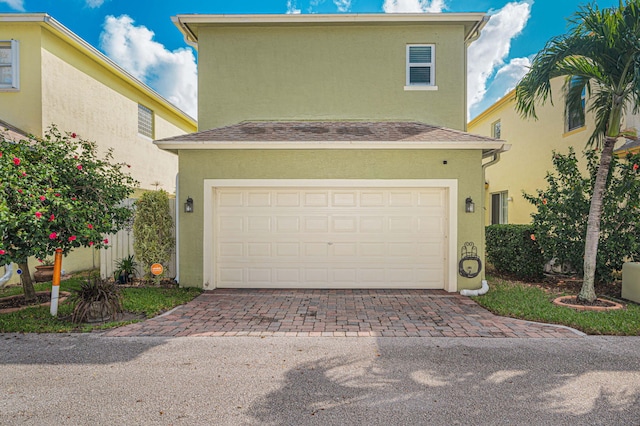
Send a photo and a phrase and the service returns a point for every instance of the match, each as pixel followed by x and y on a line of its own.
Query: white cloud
pixel 343 5
pixel 291 8
pixel 15 4
pixel 505 79
pixel 488 53
pixel 414 6
pixel 94 3
pixel 172 74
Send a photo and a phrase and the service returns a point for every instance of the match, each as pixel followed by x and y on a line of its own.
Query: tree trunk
pixel 588 293
pixel 27 284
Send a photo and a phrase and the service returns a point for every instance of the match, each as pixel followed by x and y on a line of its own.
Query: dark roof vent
pixel 253 130
pixel 318 130
pixel 355 131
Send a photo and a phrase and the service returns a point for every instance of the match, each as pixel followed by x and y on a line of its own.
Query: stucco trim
pixel 451 186
pixel 175 146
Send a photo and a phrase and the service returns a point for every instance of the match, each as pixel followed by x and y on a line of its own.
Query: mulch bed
pixel 18 302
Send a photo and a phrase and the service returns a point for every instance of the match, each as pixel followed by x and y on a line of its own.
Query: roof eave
pixel 488 148
pixel 188 23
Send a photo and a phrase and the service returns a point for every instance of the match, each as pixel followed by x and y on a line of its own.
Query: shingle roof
pixel 629 146
pixel 10 132
pixel 321 131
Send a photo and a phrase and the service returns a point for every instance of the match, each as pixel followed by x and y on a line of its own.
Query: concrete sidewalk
pixel 337 313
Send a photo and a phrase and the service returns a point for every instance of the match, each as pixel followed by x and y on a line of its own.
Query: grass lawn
pixel 533 303
pixel 146 301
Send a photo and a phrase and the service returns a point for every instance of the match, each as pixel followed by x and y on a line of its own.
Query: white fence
pixel 121 246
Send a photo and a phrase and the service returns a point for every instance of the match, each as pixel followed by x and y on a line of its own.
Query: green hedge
pixel 512 250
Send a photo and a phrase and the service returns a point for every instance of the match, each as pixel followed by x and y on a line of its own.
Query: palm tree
pixel 600 54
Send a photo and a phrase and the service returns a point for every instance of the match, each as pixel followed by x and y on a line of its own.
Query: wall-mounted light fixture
pixel 188 206
pixel 469 205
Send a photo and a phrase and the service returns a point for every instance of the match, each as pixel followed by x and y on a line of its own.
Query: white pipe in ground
pixel 479 292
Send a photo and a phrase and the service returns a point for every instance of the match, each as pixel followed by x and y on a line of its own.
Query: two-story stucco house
pixel 48 75
pixel 523 169
pixel 332 153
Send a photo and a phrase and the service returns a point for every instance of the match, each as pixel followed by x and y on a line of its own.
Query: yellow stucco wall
pixel 63 84
pixel 462 165
pixel 22 108
pixel 525 165
pixel 330 72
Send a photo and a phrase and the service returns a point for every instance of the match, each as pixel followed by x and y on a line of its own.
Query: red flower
pixel 75 157
pixel 0 154
pixel 20 191
pixel 544 201
pixel 73 198
pixel 40 260
pixel 52 218
pixel 38 215
pixel 91 243
pixel 73 135
pixel 635 167
pixel 57 194
pixel 79 166
pixel 106 241
pixel 72 238
pixel 90 226
pixel 2 251
pixel 24 174
pixel 42 198
pixel 533 237
pixel 53 236
pixel 16 161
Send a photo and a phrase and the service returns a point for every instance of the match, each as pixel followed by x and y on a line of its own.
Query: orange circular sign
pixel 156 269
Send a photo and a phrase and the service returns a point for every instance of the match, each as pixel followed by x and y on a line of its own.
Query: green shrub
pixel 512 250
pixel 560 222
pixel 153 230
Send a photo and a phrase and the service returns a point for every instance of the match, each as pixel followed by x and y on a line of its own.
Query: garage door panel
pixel 342 238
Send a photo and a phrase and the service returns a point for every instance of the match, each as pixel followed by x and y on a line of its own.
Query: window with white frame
pixel 496 129
pixel 499 208
pixel 145 121
pixel 420 65
pixel 9 61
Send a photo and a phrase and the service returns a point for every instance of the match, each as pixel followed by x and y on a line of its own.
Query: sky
pixel 140 37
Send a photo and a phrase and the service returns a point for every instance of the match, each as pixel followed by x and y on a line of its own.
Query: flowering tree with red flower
pixel 560 222
pixel 56 192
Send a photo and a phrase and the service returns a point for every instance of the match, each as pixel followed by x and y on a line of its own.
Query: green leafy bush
pixel 513 250
pixel 560 222
pixel 153 230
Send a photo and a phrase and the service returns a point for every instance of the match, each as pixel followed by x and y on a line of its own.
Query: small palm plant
pixel 96 300
pixel 125 269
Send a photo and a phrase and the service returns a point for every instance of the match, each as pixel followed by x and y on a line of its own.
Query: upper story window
pixel 9 75
pixel 575 119
pixel 420 67
pixel 145 121
pixel 496 129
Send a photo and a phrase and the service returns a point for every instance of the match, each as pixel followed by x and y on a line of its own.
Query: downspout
pixel 177 228
pixel 485 286
pixel 8 271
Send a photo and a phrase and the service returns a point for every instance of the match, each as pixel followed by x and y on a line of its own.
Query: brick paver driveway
pixel 404 313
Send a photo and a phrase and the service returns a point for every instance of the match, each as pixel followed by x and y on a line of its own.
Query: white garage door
pixel 330 238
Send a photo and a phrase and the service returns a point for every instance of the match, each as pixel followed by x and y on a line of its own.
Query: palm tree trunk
pixel 588 293
pixel 27 284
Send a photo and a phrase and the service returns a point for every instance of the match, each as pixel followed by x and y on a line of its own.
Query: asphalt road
pixel 88 379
